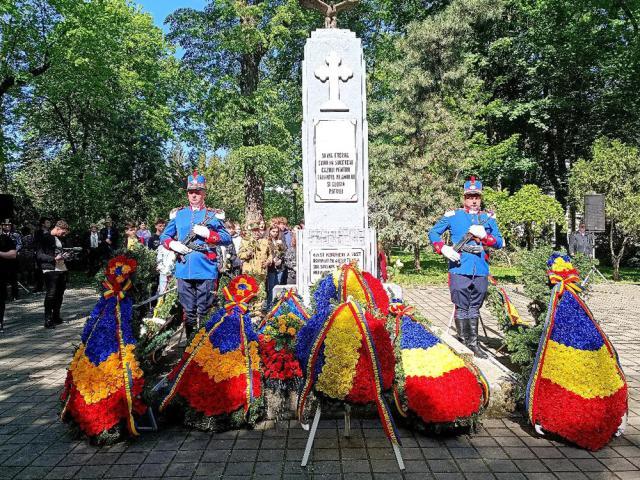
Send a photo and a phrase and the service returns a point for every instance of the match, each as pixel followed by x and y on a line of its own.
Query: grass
pixel 434 271
pixel 627 274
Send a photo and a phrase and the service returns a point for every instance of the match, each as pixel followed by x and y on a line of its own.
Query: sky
pixel 160 9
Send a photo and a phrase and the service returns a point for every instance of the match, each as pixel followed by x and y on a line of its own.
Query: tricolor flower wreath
pixel 432 382
pixel 289 302
pixel 218 378
pixel 344 349
pixel 104 380
pixel 577 389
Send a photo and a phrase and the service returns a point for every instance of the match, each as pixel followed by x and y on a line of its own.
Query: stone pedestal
pixel 335 159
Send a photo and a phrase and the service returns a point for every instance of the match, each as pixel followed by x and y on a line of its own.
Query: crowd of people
pixel 35 260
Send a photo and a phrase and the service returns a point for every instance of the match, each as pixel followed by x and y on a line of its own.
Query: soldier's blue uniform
pixel 468 280
pixel 196 272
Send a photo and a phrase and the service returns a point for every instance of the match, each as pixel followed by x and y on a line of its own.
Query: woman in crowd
pixel 131 239
pixel 290 259
pixel 254 254
pixel 144 234
pixel 275 262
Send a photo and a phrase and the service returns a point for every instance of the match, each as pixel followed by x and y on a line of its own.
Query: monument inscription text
pixel 336 161
pixel 327 260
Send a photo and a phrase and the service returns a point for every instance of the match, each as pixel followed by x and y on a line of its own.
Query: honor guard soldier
pixel 194 234
pixel 471 231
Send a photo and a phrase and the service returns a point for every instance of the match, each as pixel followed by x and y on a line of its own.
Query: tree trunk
pixel 253 195
pixel 253 182
pixel 616 258
pixel 416 257
pixel 528 231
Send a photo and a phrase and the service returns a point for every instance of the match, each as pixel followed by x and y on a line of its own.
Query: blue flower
pixel 573 327
pixel 415 335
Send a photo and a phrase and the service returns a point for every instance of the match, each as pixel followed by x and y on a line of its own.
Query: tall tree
pixel 561 73
pixel 30 33
pixel 424 130
pixel 613 170
pixel 247 55
pixel 93 129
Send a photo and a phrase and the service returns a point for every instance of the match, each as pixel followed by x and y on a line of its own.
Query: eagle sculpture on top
pixel 330 10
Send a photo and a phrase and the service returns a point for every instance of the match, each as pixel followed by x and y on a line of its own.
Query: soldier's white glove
pixel 450 253
pixel 478 231
pixel 201 231
pixel 179 247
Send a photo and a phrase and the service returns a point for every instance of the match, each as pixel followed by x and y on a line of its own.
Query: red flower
pixel 380 296
pixel 120 268
pixel 446 398
pixel 280 364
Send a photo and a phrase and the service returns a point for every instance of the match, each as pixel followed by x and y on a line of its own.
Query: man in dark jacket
pixel 91 244
pixel 51 257
pixel 109 238
pixel 7 258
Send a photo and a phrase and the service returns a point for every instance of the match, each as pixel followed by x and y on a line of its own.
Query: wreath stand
pixel 347 434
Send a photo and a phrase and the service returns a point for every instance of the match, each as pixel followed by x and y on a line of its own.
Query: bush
pixel 534 277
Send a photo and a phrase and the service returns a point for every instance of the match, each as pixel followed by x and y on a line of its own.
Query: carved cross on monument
pixel 333 71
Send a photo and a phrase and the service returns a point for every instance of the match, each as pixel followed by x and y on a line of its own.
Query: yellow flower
pixel 341 351
pixel 291 331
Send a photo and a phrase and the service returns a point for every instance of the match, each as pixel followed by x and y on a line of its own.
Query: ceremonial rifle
pixel 190 240
pixel 462 243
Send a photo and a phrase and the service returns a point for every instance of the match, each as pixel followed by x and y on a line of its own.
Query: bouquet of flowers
pixel 577 388
pixel 104 381
pixel 289 302
pixel 217 381
pixel 277 348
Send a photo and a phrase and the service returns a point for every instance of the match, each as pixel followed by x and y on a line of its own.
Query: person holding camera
pixel 51 256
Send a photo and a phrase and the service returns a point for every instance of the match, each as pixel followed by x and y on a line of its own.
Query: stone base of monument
pixel 280 404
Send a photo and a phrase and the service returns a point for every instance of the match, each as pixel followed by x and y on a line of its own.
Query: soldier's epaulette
pixel 449 213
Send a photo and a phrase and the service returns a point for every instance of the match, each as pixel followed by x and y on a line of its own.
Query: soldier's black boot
pixel 48 321
pixel 189 328
pixel 460 330
pixel 472 338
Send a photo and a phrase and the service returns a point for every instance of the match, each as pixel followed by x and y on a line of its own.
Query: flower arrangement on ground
pixel 104 380
pixel 577 389
pixel 344 349
pixel 281 368
pixel 432 382
pixel 217 381
pixel 289 302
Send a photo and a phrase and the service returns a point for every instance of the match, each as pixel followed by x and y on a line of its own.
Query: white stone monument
pixel 335 159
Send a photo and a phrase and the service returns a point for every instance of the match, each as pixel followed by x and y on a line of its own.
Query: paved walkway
pixel 35 444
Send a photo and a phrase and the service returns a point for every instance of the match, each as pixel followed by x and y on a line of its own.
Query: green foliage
pixel 613 171
pixel 249 101
pixel 534 277
pixel 560 73
pixel 424 127
pixel 526 216
pixel 92 129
